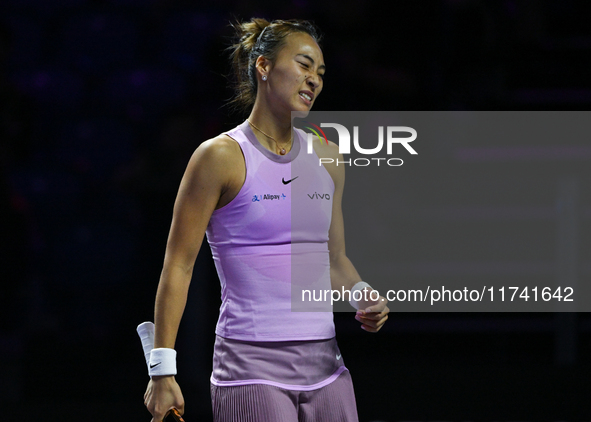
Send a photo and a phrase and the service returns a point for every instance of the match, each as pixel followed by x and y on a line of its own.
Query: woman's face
pixel 295 80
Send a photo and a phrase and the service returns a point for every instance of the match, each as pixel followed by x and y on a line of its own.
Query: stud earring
pixel 264 77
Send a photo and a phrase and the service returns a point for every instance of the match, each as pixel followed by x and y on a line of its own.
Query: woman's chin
pixel 300 113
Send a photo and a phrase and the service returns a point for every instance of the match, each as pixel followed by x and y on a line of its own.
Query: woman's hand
pixel 162 394
pixel 373 314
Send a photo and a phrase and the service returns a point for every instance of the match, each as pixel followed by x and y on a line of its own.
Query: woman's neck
pixel 272 131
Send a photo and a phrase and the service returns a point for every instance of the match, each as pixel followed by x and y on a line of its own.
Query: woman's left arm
pixel 372 314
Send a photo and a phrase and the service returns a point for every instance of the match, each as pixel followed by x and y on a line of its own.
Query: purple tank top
pixel 270 242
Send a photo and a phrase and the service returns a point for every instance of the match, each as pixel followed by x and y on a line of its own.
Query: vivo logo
pixel 317 195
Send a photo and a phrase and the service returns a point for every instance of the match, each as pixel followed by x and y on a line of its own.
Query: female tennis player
pixel 245 189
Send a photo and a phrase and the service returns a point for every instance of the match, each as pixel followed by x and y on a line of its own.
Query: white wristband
pixel 162 362
pixel 357 287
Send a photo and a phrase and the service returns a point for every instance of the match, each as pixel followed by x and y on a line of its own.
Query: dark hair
pixel 255 38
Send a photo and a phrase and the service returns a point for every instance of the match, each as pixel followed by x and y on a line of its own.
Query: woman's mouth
pixel 306 97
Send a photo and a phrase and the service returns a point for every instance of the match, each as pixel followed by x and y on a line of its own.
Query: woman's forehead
pixel 303 44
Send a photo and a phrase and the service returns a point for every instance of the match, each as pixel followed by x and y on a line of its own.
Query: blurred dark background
pixel 102 104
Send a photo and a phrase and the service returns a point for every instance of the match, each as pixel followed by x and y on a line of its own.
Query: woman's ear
pixel 263 65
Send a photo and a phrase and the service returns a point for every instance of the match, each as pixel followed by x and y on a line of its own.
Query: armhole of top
pixel 325 170
pixel 245 177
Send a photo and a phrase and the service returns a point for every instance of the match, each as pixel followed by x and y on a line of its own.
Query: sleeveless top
pixel 270 246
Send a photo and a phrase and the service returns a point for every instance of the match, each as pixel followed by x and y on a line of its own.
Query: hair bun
pixel 249 32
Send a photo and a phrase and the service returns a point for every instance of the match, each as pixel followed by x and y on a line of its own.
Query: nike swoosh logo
pixel 155 365
pixel 289 181
pixel 338 357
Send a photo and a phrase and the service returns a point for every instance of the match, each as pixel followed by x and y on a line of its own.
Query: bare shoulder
pixel 221 148
pixel 221 153
pixel 326 150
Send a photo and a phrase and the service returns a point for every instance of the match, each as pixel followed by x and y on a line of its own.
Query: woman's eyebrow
pixel 312 60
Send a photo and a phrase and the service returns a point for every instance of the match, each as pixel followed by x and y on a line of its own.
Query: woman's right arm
pixel 205 181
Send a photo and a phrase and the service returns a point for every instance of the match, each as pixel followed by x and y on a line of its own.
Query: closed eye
pixel 307 66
